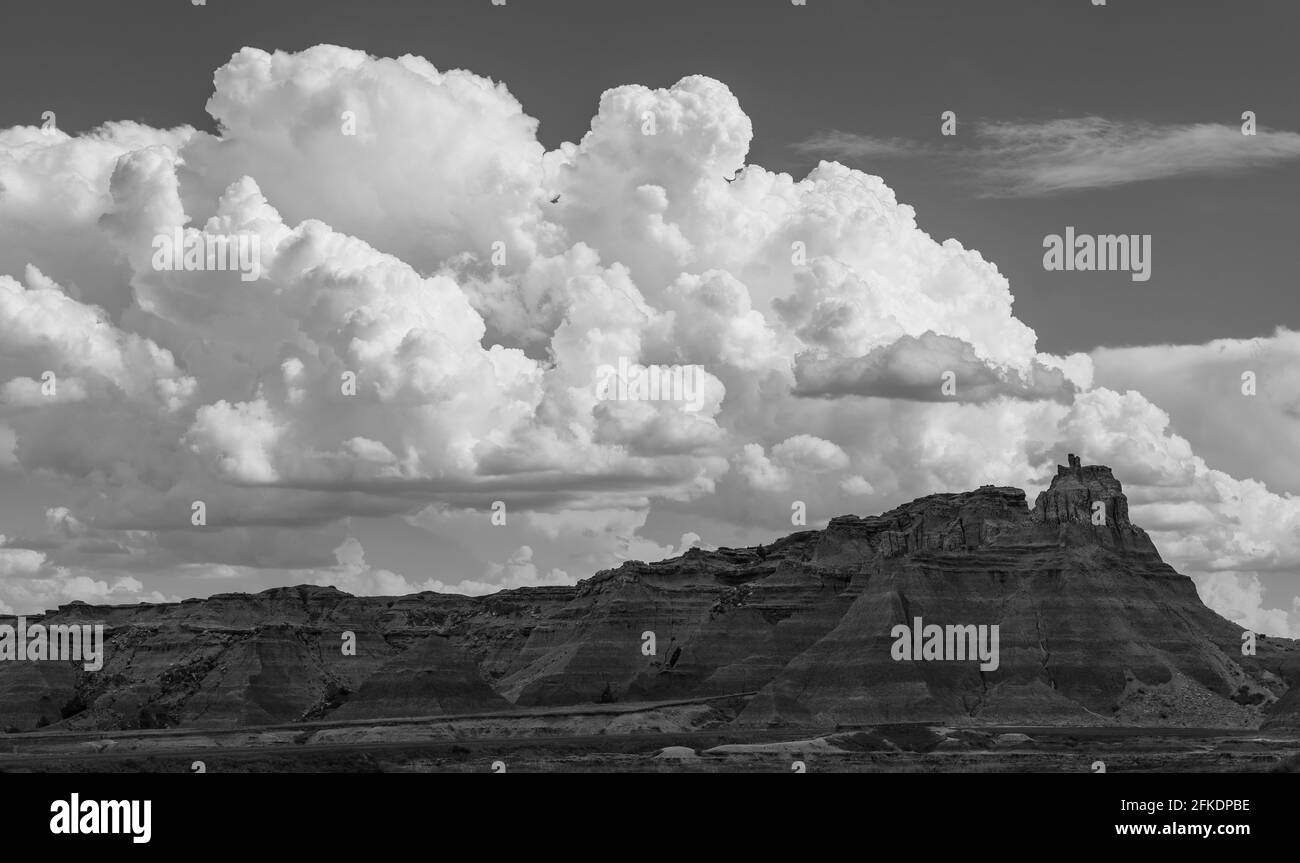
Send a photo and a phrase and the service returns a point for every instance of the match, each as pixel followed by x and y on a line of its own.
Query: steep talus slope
pixel 1094 628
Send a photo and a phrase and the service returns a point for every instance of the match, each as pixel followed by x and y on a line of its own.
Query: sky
pixel 923 253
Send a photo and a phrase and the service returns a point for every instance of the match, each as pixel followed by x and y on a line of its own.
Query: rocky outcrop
pixel 1093 626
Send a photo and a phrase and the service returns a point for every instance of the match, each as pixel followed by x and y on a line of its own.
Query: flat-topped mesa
pixel 1084 506
pixel 990 518
pixel 1095 629
pixel 935 523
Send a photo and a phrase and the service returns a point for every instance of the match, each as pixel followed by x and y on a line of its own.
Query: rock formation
pixel 1094 628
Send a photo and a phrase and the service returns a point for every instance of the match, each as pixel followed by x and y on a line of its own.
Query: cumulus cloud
pixel 799 455
pixel 518 571
pixel 1240 598
pixel 425 164
pixel 54 189
pixel 1236 401
pixel 436 297
pixel 20 562
pixel 30 584
pixel 353 575
pixel 931 368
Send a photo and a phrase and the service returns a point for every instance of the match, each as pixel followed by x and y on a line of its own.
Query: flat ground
pixel 694 736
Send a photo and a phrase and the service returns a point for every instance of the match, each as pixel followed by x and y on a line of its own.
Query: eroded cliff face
pixel 1093 628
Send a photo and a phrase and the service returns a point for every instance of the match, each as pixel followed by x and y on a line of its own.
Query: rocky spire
pixel 1075 489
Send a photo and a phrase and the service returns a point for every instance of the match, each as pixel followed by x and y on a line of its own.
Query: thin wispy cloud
pixel 847 145
pixel 1035 159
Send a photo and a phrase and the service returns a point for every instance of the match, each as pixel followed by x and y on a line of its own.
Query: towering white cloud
pixel 435 300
